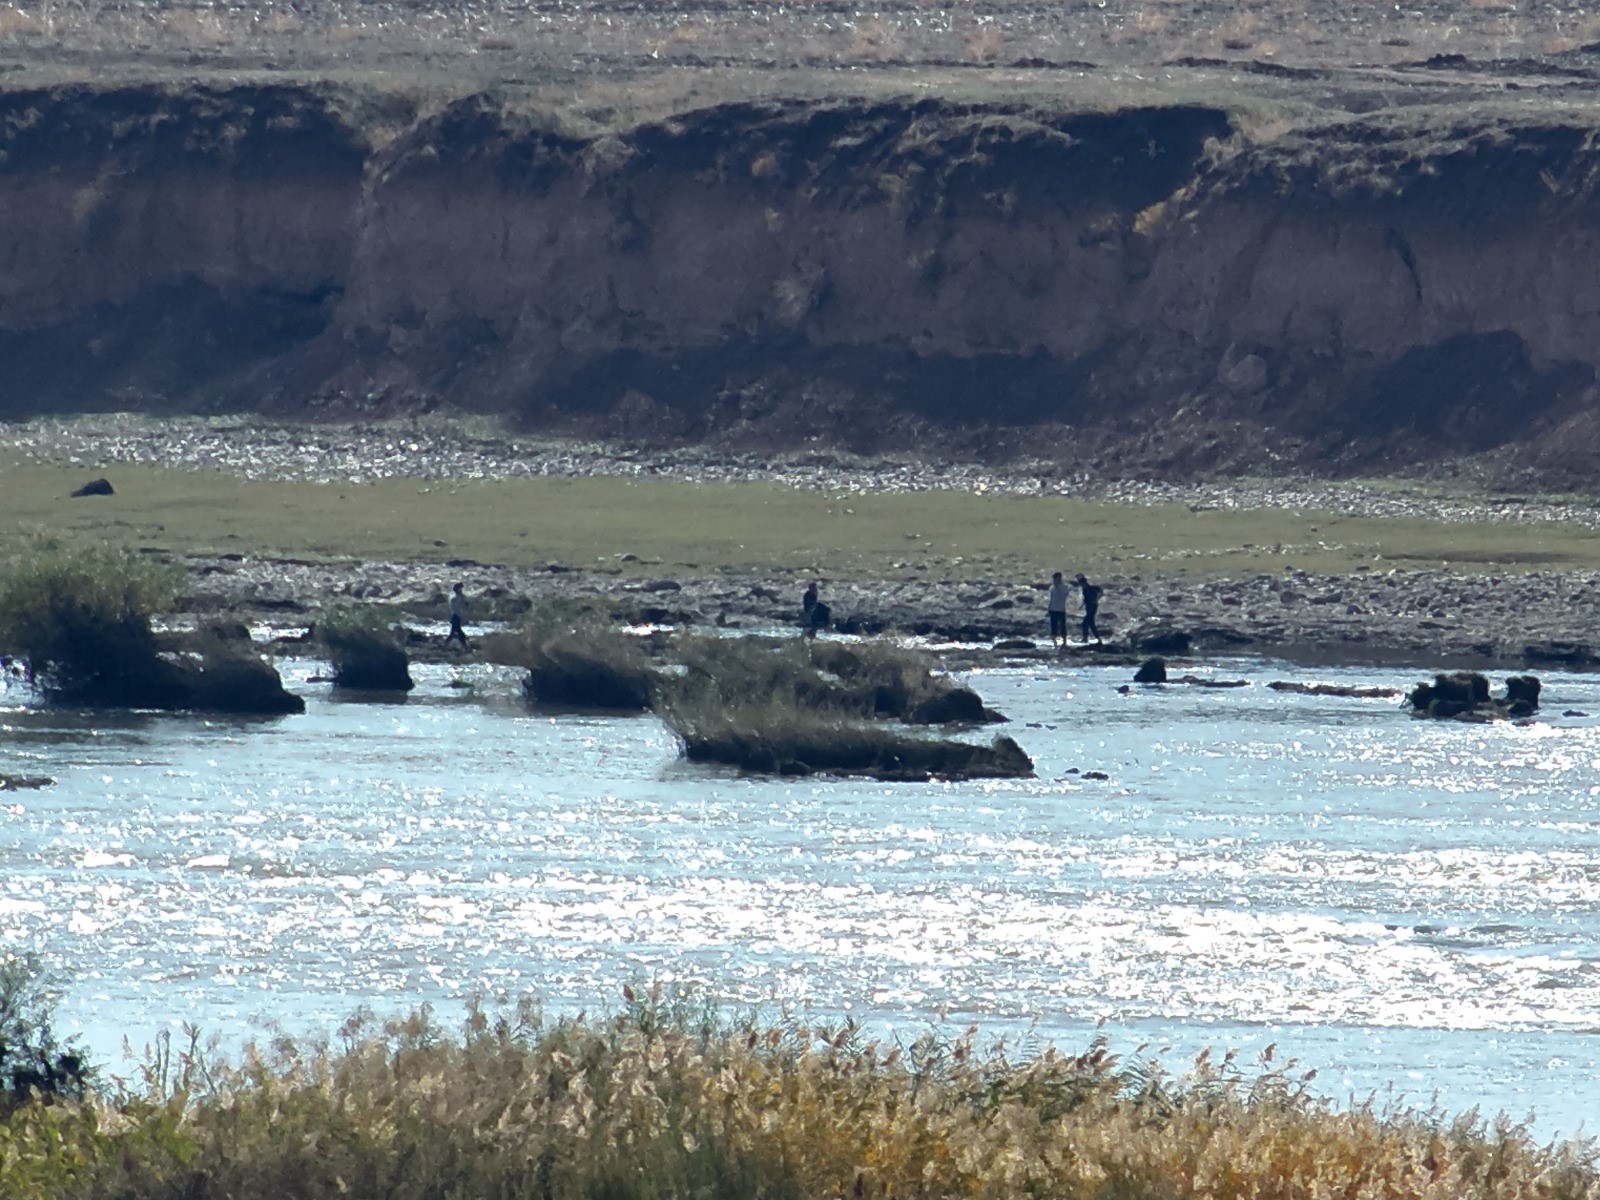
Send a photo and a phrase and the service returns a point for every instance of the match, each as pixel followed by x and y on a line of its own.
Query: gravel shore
pixel 1415 617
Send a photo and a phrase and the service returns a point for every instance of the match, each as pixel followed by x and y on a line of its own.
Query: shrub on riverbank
pixel 574 658
pixel 79 618
pixel 34 1064
pixel 662 1104
pixel 366 653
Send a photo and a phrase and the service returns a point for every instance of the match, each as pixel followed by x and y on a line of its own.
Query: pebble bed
pixel 448 450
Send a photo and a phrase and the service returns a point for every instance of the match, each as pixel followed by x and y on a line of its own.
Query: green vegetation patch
pixel 78 616
pixel 773 706
pixel 703 528
pixel 575 657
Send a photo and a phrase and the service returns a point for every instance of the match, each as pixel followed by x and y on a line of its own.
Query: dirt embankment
pixel 1145 289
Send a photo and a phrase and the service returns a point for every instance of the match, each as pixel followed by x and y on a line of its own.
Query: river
pixel 1412 908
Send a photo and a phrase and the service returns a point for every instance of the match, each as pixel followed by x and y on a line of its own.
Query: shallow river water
pixel 1411 908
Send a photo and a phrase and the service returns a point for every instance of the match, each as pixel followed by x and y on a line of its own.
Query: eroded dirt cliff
pixel 1150 288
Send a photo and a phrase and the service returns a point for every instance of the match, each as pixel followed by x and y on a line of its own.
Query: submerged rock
pixel 1199 681
pixel 1334 689
pixel 18 783
pixel 1152 670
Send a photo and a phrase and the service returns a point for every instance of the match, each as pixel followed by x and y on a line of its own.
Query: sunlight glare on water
pixel 1411 907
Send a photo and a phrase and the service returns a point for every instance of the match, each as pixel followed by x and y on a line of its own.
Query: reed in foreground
pixel 662 1104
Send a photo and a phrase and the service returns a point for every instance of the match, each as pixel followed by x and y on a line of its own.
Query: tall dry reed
pixel 661 1102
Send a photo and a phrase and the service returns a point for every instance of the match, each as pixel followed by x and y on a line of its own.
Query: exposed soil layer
pixel 1345 259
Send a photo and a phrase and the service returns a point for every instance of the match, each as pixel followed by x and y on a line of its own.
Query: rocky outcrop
pixel 1464 696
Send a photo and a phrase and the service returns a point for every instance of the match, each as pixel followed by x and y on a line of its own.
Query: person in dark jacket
pixel 458 613
pixel 814 614
pixel 1091 606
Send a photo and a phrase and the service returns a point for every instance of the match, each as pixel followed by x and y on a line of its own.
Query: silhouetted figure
pixel 814 614
pixel 458 612
pixel 1091 606
pixel 1057 605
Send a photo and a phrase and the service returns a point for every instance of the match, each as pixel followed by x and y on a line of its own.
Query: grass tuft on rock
pixel 763 705
pixel 575 658
pixel 365 651
pixel 662 1101
pixel 79 618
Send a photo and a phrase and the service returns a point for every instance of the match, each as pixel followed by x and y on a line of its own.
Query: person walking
pixel 458 613
pixel 1091 606
pixel 1060 591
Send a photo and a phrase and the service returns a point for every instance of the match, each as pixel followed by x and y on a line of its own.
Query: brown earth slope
pixel 1220 266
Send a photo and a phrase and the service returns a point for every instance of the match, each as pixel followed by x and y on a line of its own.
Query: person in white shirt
pixel 1059 594
pixel 458 612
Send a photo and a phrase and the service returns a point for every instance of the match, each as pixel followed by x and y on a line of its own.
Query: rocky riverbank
pixel 1377 612
pixel 1413 617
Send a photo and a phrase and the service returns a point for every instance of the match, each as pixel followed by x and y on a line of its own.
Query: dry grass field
pixel 701 529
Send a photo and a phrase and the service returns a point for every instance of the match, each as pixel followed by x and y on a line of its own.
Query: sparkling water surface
pixel 1412 908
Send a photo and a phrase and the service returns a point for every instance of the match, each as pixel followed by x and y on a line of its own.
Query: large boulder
pixel 566 675
pixel 958 705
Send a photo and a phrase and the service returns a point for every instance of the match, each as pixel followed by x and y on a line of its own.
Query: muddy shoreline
pixel 1489 618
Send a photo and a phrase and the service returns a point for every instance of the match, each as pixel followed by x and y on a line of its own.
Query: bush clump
pixel 661 1102
pixel 33 1064
pixel 366 653
pixel 79 618
pixel 574 658
pixel 897 681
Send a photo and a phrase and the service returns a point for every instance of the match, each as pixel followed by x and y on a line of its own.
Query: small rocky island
pixel 1464 696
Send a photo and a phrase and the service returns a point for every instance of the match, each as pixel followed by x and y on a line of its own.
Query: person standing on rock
pixel 1057 605
pixel 1091 606
pixel 458 612
pixel 814 614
